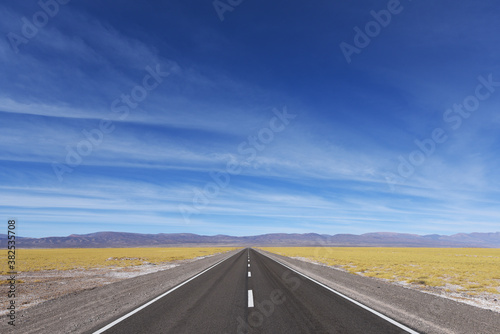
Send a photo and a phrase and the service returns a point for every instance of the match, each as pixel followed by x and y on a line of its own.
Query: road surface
pixel 251 293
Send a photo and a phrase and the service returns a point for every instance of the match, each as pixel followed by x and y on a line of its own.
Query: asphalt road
pixel 250 293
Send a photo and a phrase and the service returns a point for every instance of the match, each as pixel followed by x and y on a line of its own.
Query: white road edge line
pixel 392 321
pixel 105 328
pixel 250 298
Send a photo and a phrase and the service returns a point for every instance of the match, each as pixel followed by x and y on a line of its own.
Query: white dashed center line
pixel 250 292
pixel 250 298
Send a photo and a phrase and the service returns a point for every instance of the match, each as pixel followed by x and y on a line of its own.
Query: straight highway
pixel 251 293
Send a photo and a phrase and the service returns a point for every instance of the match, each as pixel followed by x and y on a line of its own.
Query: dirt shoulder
pixel 424 312
pixel 78 301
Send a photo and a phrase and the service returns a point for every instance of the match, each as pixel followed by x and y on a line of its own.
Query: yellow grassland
pixel 88 258
pixel 469 270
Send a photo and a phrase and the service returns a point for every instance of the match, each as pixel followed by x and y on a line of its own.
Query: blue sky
pixel 161 117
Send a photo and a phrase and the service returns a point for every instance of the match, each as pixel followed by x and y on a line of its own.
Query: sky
pixel 248 117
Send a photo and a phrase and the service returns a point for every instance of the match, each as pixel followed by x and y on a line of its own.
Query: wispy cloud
pixel 326 172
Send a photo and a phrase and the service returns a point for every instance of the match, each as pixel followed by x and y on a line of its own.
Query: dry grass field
pixel 466 270
pixel 88 258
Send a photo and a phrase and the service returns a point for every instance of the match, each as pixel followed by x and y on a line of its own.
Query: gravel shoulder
pixel 423 312
pixel 95 304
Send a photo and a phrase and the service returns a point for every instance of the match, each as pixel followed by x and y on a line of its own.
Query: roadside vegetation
pixel 468 270
pixel 88 258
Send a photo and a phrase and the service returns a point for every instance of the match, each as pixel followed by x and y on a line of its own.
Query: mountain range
pixel 386 239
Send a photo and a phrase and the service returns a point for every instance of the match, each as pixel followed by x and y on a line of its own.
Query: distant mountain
pixel 388 239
